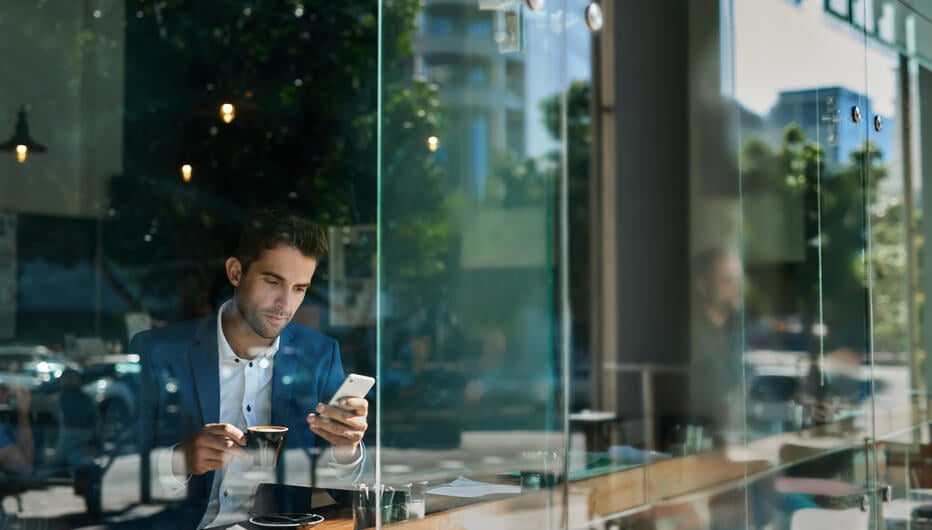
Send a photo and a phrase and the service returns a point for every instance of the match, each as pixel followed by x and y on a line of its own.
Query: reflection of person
pixel 249 365
pixel 716 361
pixel 16 443
pixel 79 423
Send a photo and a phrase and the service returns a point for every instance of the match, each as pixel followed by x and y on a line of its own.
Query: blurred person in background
pixel 716 361
pixel 78 422
pixel 17 448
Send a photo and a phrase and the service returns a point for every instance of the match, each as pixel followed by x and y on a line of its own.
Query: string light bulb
pixel 21 152
pixel 433 143
pixel 227 112
pixel 186 172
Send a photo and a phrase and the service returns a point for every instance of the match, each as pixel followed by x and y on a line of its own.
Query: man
pixel 16 442
pixel 248 365
pixel 716 363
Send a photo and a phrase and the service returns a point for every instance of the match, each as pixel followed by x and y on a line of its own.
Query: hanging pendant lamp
pixel 21 144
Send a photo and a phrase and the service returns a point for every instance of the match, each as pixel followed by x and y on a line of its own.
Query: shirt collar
pixel 226 351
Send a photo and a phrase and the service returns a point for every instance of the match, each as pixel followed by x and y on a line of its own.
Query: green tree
pixel 578 155
pixel 303 78
pixel 830 283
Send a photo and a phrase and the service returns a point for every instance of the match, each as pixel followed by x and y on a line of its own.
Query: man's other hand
pixel 343 426
pixel 210 449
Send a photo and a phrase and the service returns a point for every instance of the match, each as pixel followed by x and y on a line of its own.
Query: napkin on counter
pixel 464 487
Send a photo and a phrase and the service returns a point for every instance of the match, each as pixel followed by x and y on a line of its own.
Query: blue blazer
pixel 180 386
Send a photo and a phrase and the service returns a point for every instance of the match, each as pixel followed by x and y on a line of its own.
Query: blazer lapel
pixel 203 357
pixel 286 362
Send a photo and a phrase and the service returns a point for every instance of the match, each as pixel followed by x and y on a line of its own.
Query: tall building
pixel 832 106
pixel 472 56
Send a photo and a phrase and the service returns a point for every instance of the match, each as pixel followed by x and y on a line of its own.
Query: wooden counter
pixel 663 483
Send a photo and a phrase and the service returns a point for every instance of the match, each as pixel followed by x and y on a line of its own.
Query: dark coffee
pixel 264 443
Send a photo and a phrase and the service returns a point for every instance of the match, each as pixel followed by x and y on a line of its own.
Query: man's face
pixel 725 283
pixel 271 290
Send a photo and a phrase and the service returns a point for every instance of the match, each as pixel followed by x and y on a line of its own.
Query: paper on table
pixel 463 487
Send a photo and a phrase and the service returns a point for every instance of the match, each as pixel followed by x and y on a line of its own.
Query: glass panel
pixel 154 128
pixel 470 258
pixel 898 78
pixel 803 202
pixel 805 293
pixel 903 472
pixel 779 316
pixel 892 216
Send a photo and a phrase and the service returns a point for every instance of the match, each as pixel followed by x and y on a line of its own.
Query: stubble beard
pixel 255 317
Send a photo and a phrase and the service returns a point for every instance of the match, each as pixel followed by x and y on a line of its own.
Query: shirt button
pixel 236 360
pixel 248 408
pixel 226 493
pixel 250 364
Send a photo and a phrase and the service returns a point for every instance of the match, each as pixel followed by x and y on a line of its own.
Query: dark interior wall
pixel 651 80
pixel 651 126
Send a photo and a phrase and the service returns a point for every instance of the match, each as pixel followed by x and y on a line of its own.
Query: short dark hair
pixel 269 227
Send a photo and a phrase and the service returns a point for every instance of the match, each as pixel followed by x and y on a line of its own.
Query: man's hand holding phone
pixel 343 422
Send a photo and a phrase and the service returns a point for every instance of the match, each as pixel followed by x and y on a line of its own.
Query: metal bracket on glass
pixel 509 24
pixel 594 17
pixel 886 493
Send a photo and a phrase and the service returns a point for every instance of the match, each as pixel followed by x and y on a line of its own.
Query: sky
pixel 783 46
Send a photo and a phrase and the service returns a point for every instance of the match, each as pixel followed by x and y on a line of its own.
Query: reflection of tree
pixel 835 206
pixel 416 226
pixel 304 79
pixel 517 181
pixel 578 153
pixel 888 263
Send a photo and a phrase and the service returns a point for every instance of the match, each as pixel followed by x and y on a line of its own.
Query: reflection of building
pixel 482 86
pixel 831 105
pixel 352 275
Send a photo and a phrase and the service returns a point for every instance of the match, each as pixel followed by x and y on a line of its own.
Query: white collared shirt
pixel 245 401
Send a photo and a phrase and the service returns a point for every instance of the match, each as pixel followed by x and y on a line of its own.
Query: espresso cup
pixel 264 443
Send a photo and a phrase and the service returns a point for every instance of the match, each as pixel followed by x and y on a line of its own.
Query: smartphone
pixel 354 385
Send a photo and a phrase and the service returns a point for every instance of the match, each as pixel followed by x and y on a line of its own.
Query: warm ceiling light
pixel 186 172
pixel 21 143
pixel 227 112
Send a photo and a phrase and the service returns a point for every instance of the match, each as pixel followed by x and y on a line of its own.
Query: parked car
pixel 113 382
pixel 109 383
pixel 38 369
pixel 782 397
pixel 772 404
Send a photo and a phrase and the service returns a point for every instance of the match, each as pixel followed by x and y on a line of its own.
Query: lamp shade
pixel 21 137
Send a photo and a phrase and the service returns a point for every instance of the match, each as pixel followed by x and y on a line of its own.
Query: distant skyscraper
pixel 824 115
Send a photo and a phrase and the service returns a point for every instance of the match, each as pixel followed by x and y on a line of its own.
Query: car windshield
pixel 773 387
pixel 17 363
pixel 43 366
